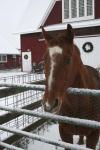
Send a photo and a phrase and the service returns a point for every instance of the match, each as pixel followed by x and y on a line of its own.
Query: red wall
pixel 97 9
pixel 32 43
pixel 11 63
pixel 56 14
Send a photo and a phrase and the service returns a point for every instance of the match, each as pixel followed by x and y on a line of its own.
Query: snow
pixel 62 26
pixel 21 99
pixel 36 12
pixel 13 72
pixel 17 76
pixel 43 139
pixel 78 24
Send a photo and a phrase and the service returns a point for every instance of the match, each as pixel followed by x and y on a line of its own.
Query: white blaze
pixel 52 51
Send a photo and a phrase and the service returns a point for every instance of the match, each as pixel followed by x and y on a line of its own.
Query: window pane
pixel 89 7
pixel 66 9
pixel 81 8
pixel 73 9
pixel 4 58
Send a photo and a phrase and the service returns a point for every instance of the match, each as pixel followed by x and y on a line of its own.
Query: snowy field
pixel 13 72
pixel 19 77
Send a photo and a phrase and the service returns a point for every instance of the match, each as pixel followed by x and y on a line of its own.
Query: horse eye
pixel 68 61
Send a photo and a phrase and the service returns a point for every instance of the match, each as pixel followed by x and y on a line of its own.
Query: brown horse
pixel 63 69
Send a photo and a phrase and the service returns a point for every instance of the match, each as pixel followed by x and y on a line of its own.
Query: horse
pixel 63 68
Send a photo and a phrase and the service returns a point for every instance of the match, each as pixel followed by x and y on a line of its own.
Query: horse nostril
pixel 56 103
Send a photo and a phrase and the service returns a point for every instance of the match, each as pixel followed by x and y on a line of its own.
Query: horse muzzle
pixel 51 106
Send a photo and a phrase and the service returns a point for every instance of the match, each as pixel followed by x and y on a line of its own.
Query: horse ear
pixel 70 33
pixel 46 35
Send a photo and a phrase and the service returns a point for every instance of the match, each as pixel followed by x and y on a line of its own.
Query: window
pixel 3 58
pixel 75 10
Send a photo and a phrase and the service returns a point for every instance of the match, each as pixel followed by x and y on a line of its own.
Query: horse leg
pixel 66 137
pixel 92 139
pixel 81 140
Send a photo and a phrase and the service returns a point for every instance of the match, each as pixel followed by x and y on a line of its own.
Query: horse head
pixel 60 68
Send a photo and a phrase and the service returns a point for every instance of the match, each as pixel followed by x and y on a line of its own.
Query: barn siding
pixel 56 14
pixel 97 9
pixel 31 42
pixel 11 63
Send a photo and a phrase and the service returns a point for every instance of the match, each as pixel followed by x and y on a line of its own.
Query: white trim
pixel 84 36
pixel 49 9
pixel 40 40
pixel 77 18
pixel 62 26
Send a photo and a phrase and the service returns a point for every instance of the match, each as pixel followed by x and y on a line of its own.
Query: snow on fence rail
pixel 10 146
pixel 27 86
pixel 65 119
pixel 43 139
pixel 75 91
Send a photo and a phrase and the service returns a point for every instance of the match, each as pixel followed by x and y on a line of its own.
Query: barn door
pixel 26 61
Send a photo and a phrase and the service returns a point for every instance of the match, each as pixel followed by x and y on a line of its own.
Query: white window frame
pixel 85 17
pixel 3 61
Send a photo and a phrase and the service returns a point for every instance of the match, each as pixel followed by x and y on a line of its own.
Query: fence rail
pixel 10 146
pixel 43 139
pixel 75 91
pixel 23 78
pixel 65 119
pixel 27 86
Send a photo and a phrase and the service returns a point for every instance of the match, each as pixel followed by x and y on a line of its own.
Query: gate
pixel 65 119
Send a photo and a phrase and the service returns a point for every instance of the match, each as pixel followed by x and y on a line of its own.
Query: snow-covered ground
pixel 50 131
pixel 13 72
pixel 17 76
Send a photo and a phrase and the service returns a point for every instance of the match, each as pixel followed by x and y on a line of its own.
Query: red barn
pixel 84 16
pixel 9 56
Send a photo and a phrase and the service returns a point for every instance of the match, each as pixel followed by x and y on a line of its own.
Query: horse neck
pixel 82 79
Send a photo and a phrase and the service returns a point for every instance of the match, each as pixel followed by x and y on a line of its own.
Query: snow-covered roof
pixel 7 48
pixel 61 26
pixel 35 15
pixel 78 24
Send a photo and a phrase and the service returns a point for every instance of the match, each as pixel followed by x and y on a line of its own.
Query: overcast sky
pixel 11 12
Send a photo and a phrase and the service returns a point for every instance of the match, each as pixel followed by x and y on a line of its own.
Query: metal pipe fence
pixel 26 86
pixel 64 119
pixel 21 99
pixel 23 78
pixel 75 91
pixel 10 146
pixel 43 139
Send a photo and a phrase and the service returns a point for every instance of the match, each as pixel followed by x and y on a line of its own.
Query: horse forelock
pixel 52 51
